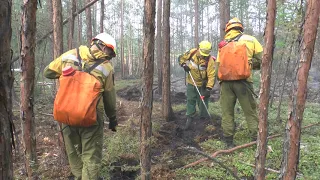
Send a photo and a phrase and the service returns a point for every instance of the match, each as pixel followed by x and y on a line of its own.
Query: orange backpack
pixel 77 98
pixel 234 63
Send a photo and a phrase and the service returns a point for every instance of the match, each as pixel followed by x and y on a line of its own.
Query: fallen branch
pixel 194 150
pixel 226 151
pixel 267 169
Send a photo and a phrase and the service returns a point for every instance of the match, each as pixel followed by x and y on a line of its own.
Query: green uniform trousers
pixel 84 148
pixel 230 92
pixel 193 99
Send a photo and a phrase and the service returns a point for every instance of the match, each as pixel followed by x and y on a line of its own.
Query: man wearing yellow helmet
pixel 200 64
pixel 84 144
pixel 234 87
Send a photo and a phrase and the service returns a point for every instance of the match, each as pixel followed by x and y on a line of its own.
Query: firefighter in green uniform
pixel 239 89
pixel 200 65
pixel 84 144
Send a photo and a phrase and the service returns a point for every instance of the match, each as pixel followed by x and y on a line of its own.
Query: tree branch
pixel 194 150
pixel 63 23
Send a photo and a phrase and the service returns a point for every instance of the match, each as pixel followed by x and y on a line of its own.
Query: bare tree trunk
pixel 260 171
pixel 57 51
pixel 101 16
pixel 6 84
pixel 159 45
pixel 196 23
pixel 291 148
pixel 28 39
pixel 224 10
pixel 71 24
pixel 79 26
pixel 123 64
pixel 88 23
pixel 146 106
pixel 57 28
pixel 167 111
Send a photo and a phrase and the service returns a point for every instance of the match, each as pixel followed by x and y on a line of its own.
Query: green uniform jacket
pixel 103 72
pixel 200 68
pixel 254 50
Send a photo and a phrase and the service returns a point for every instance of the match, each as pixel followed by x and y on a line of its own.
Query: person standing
pixel 238 55
pixel 199 65
pixel 84 144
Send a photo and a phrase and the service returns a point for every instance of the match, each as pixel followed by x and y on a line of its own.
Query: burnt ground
pixel 171 136
pixel 168 138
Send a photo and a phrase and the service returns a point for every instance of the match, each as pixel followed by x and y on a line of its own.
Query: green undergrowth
pixel 126 143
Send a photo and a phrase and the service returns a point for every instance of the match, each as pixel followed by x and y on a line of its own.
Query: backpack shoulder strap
pixel 98 62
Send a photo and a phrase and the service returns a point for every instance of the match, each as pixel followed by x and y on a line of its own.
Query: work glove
pixel 113 123
pixel 185 67
pixel 206 92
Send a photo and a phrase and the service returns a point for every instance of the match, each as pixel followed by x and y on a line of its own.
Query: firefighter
pixel 200 64
pixel 237 88
pixel 84 144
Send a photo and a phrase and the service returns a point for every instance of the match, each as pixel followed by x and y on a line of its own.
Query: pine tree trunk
pixel 224 10
pixel 196 23
pixel 71 24
pixel 57 51
pixel 28 39
pixel 159 45
pixel 88 23
pixel 146 106
pixel 101 16
pixel 167 111
pixel 266 70
pixel 6 84
pixel 291 148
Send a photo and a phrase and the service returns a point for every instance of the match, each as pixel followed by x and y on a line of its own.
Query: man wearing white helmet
pixel 84 144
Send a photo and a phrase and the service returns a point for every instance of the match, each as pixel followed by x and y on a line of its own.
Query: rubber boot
pixel 229 141
pixel 188 123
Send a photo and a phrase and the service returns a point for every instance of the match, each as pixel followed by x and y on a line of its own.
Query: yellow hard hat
pixel 205 48
pixel 232 23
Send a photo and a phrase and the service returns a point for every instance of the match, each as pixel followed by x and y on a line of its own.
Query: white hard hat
pixel 107 40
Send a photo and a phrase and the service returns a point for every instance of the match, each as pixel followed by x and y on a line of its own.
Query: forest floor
pixel 168 137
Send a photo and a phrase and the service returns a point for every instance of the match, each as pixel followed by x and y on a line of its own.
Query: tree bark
pixel 159 45
pixel 167 111
pixel 6 84
pixel 266 70
pixel 291 148
pixel 224 10
pixel 28 39
pixel 123 63
pixel 196 23
pixel 71 24
pixel 57 28
pixel 146 106
pixel 101 16
pixel 88 23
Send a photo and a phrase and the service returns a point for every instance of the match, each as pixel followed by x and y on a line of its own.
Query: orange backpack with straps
pixel 233 58
pixel 77 98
